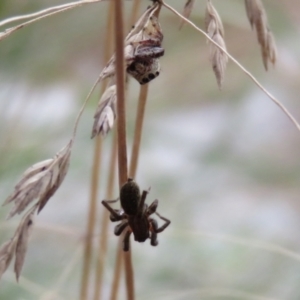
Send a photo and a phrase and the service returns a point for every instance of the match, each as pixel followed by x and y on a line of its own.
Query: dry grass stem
pixel 117 271
pixel 105 221
pixel 277 102
pixel 188 7
pixel 120 79
pixel 91 221
pixel 258 18
pixel 121 128
pixel 106 112
pixel 138 130
pixel 69 6
pixel 101 256
pixel 215 30
pixel 44 12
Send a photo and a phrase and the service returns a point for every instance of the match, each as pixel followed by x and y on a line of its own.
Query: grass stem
pixel 91 220
pixel 138 130
pixel 121 128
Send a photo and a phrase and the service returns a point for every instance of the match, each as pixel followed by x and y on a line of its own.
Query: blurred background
pixel 223 164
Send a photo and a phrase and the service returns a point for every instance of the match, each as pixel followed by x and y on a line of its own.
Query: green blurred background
pixel 223 164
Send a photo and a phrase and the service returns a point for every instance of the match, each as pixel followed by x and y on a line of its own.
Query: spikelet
pixel 7 251
pixel 215 30
pixel 137 29
pixel 40 182
pixel 258 18
pixel 106 112
pixel 17 245
pixel 188 7
pixel 22 238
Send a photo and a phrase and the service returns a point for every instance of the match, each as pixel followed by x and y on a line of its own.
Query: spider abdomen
pixel 130 197
pixel 140 227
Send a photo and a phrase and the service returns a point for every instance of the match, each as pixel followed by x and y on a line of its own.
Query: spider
pixel 144 70
pixel 145 65
pixel 135 215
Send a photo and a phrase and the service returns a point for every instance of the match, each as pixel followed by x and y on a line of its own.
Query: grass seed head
pixel 215 30
pixel 23 233
pixel 188 7
pixel 106 112
pixel 7 251
pixel 40 181
pixel 258 18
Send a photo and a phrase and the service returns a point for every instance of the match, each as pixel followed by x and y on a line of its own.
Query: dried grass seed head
pixel 106 112
pixel 215 30
pixel 7 251
pixel 188 7
pixel 140 24
pixel 40 182
pixel 23 233
pixel 17 245
pixel 258 18
pixel 213 22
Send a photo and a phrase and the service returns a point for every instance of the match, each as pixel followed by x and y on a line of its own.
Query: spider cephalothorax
pixel 135 215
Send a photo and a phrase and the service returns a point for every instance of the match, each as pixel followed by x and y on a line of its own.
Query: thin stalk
pixel 69 6
pixel 117 271
pixel 104 223
pixel 91 220
pixel 105 216
pixel 120 79
pixel 276 101
pixel 121 128
pixel 44 12
pixel 138 130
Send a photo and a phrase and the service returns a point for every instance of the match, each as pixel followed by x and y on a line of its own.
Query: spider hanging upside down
pixel 145 66
pixel 135 215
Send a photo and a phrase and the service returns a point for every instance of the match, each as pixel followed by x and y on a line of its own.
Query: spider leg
pixel 116 214
pixel 120 214
pixel 153 239
pixel 126 241
pixel 149 52
pixel 119 228
pixel 152 208
pixel 164 226
pixel 147 43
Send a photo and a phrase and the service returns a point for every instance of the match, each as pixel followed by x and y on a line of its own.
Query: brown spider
pixel 135 215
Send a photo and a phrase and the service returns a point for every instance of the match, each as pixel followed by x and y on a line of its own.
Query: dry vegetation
pixel 139 54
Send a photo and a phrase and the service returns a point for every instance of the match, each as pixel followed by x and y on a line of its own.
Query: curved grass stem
pixel 41 15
